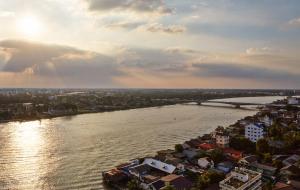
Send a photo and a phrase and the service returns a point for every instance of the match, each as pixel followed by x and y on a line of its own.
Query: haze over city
pixel 150 43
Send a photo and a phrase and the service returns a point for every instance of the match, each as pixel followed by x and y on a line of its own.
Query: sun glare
pixel 29 26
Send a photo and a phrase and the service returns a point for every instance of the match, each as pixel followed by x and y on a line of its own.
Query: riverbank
pixel 214 155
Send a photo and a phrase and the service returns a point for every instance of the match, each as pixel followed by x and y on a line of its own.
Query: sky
pixel 150 43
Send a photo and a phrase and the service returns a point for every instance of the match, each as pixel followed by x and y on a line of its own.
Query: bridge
pixel 235 104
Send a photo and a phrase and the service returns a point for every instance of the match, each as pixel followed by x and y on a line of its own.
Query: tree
pixel 178 148
pixel 277 163
pixel 169 188
pixel 217 155
pixel 267 157
pixel 242 144
pixel 133 185
pixel 209 178
pixel 262 146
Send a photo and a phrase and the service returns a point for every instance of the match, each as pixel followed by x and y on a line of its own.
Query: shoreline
pixel 185 158
pixel 124 109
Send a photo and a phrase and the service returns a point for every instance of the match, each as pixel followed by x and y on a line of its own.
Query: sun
pixel 30 26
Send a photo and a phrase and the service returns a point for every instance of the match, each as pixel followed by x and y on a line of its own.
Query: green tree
pixel 209 178
pixel 217 155
pixel 262 146
pixel 178 148
pixel 267 157
pixel 277 163
pixel 133 185
pixel 242 144
pixel 169 187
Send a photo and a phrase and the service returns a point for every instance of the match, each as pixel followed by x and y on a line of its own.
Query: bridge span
pixel 235 104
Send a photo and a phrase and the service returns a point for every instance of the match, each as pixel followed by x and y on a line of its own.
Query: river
pixel 71 152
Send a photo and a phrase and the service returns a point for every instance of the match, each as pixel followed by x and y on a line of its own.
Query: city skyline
pixel 150 44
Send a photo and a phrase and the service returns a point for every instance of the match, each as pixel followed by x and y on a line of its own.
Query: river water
pixel 71 152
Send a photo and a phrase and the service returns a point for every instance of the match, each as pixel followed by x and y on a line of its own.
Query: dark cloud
pixel 242 71
pixel 66 63
pixel 140 6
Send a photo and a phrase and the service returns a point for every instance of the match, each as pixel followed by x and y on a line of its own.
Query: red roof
pixel 207 146
pixel 233 153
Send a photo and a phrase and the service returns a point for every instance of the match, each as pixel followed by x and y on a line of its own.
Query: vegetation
pixel 262 146
pixel 209 178
pixel 217 155
pixel 133 185
pixel 178 148
pixel 169 187
pixel 242 144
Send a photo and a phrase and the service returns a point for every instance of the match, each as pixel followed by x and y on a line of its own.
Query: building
pixel 266 120
pixel 242 179
pixel 266 170
pixel 247 160
pixel 205 162
pixel 254 131
pixel 292 100
pixel 222 140
pixel 177 182
pixel 291 160
pixel 232 153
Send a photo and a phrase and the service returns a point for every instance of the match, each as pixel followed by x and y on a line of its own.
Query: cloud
pixel 260 51
pixel 157 27
pixel 295 22
pixel 70 65
pixel 243 71
pixel 123 24
pixel 6 14
pixel 154 61
pixel 137 6
pixel 181 50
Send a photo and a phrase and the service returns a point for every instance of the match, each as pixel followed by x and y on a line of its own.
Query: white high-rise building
pixel 254 131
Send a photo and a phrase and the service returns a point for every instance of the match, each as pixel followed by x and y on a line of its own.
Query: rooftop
pixel 240 177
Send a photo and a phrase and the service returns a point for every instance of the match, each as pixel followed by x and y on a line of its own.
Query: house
pixel 247 160
pixel 177 181
pixel 190 153
pixel 266 170
pixel 292 100
pixel 168 168
pixel 219 129
pixel 114 176
pixel 254 131
pixel 291 160
pixel 176 162
pixel 266 120
pixel 225 167
pixel 283 186
pixel 232 153
pixel 222 139
pixel 242 179
pixel 205 162
pixel 150 164
pixel 157 185
pixel 193 143
pixel 298 115
pixel 276 144
pixel 162 154
pixel 290 171
pixel 207 146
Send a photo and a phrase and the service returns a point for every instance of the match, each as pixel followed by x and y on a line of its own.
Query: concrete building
pixel 254 131
pixel 222 140
pixel 292 100
pixel 242 179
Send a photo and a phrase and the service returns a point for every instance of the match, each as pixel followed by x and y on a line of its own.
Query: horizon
pixel 157 44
